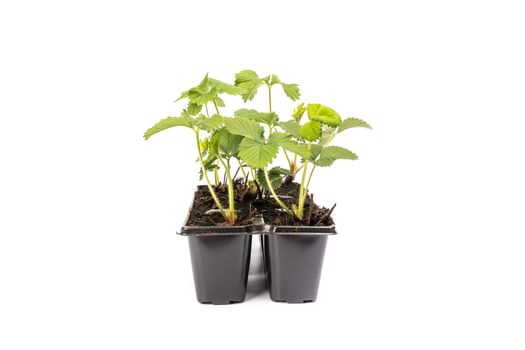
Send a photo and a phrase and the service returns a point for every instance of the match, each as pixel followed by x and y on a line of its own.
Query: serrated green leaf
pixel 193 108
pixel 256 154
pixel 184 94
pixel 323 114
pixel 277 138
pixel 316 150
pixel 284 140
pixel 229 143
pixel 209 124
pixel 168 122
pixel 245 127
pixel 249 81
pixel 204 84
pixel 201 96
pixel 219 102
pixel 322 162
pixel 275 179
pixel 300 149
pixel 353 123
pixel 267 118
pixel 272 79
pixel 292 91
pixel 310 131
pixel 327 135
pixel 213 146
pixel 225 87
pixel 209 165
pixel 246 75
pixel 292 127
pixel 298 112
pixel 331 153
pixel 280 170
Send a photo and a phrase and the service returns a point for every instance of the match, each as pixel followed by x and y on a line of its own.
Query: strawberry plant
pixel 252 139
pixel 219 146
pixel 309 141
pixel 323 125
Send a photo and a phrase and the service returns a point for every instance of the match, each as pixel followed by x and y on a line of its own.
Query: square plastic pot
pixel 220 267
pixel 293 258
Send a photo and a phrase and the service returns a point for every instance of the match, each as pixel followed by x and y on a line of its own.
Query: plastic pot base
pixel 220 267
pixel 293 266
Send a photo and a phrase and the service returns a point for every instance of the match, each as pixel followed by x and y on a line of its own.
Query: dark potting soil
pixel 313 214
pixel 248 206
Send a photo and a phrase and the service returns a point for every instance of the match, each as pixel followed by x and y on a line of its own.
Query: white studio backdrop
pixel 430 251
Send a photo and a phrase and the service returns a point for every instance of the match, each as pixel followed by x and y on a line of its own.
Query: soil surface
pixel 249 205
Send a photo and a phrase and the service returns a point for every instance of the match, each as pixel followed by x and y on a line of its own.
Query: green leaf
pixel 267 118
pixel 298 112
pixel 193 108
pixel 277 138
pixel 225 88
pixel 168 122
pixel 279 170
pixel 245 127
pixel 275 179
pixel 209 165
pixel 184 94
pixel 300 149
pixel 209 124
pixel 284 140
pixel 256 154
pixel 292 127
pixel 213 145
pixel 310 131
pixel 323 114
pixel 201 96
pixel 229 143
pixel 327 135
pixel 219 101
pixel 291 90
pixel 316 150
pixel 249 81
pixel 353 123
pixel 331 153
pixel 271 79
pixel 244 76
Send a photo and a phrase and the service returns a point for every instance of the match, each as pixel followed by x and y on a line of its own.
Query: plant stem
pixel 242 169
pixel 277 199
pixel 207 113
pixel 289 162
pixel 205 175
pixel 270 97
pixel 231 199
pixel 216 108
pixel 303 190
pixel 216 175
pixel 310 177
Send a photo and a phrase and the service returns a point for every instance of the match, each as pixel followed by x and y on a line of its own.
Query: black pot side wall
pixel 220 267
pixel 293 265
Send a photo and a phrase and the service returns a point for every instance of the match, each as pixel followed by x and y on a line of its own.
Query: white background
pixel 430 251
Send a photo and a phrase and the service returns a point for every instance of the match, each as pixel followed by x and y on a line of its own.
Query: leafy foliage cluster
pixel 251 140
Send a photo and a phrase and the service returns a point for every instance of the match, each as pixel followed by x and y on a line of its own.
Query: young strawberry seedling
pixel 323 125
pixel 207 92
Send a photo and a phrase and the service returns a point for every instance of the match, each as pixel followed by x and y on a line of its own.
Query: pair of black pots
pixel 293 259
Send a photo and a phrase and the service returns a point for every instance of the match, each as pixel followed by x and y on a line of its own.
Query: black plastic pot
pixel 293 258
pixel 220 267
